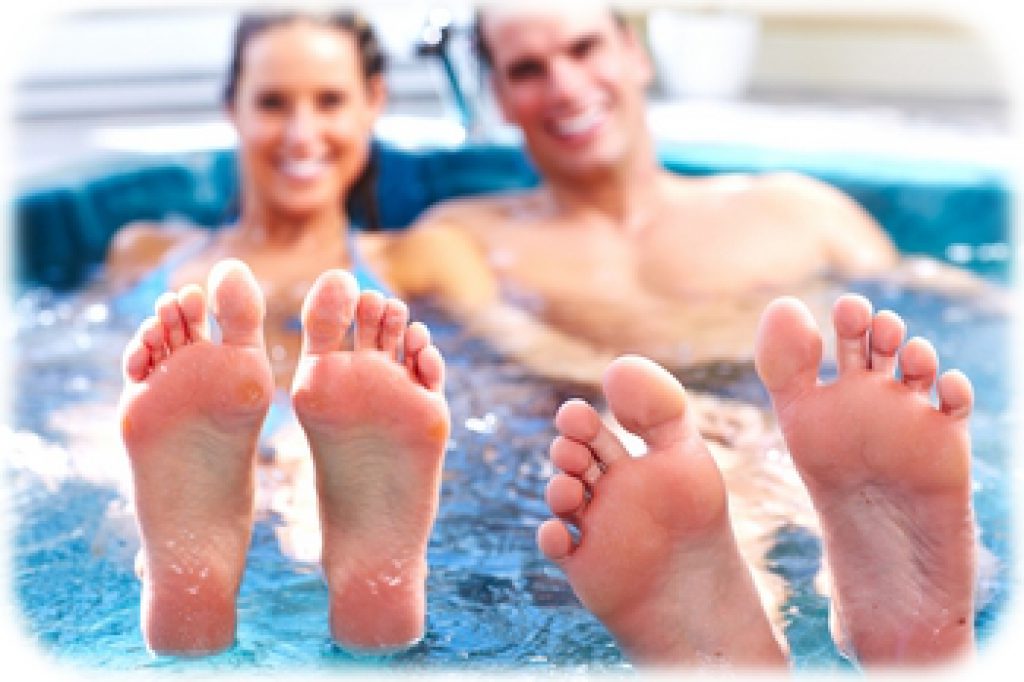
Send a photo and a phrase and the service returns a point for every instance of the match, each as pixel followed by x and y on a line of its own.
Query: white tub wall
pixel 894 57
pixel 861 49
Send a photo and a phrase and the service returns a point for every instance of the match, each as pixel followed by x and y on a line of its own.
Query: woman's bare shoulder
pixel 140 246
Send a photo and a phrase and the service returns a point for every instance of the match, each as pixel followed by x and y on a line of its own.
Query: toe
pixel 393 323
pixel 554 540
pixel 327 312
pixel 172 320
pixel 580 422
pixel 564 495
pixel 851 317
pixel 430 369
pixel 369 315
pixel 136 361
pixel 956 396
pixel 152 334
pixel 646 400
pixel 570 456
pixel 887 331
pixel 787 352
pixel 417 337
pixel 192 302
pixel 918 365
pixel 237 303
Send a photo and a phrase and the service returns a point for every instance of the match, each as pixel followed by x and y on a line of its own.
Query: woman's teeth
pixel 303 170
pixel 580 123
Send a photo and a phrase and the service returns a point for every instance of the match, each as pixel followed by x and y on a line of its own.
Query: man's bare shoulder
pixel 816 209
pixel 770 185
pixel 794 185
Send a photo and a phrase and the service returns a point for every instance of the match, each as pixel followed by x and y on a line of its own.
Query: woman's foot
pixel 656 560
pixel 889 474
pixel 377 427
pixel 191 413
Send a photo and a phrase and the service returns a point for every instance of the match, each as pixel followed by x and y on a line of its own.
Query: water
pixel 493 601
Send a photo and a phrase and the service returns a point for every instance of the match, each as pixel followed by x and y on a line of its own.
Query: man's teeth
pixel 578 124
pixel 303 169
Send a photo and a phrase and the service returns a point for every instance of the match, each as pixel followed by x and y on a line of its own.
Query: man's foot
pixel 889 475
pixel 377 429
pixel 656 559
pixel 191 413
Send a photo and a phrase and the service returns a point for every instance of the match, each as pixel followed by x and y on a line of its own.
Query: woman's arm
pixel 139 247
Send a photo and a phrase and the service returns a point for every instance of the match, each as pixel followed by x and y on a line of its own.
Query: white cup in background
pixel 702 55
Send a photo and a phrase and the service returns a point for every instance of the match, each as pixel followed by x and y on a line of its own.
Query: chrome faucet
pixel 436 40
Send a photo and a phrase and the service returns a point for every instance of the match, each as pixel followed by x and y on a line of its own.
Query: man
pixel 612 253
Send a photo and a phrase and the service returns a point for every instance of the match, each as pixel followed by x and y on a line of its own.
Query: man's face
pixel 573 82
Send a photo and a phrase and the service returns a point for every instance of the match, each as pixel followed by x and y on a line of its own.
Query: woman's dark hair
pixel 372 63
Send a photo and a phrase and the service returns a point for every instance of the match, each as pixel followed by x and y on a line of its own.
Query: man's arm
pixel 852 242
pixel 859 247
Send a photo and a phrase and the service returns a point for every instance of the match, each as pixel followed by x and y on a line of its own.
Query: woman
pixel 303 94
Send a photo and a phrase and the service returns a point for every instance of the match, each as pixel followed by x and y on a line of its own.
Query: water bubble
pixel 96 313
pixel 485 424
pixel 78 384
pixel 961 254
pixel 998 251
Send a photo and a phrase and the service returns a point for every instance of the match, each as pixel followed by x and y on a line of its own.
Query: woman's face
pixel 304 114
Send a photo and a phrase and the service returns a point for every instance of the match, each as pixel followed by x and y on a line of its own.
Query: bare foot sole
pixel 889 474
pixel 377 429
pixel 656 559
pixel 191 413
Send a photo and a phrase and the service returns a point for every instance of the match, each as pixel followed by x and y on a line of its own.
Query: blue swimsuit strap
pixel 141 297
pixel 366 278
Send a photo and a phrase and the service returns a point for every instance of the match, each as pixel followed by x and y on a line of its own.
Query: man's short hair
pixel 483 50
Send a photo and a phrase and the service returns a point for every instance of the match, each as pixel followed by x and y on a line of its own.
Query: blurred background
pixel 97 80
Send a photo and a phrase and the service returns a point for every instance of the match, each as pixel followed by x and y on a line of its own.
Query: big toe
pixel 237 303
pixel 788 348
pixel 646 400
pixel 327 311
